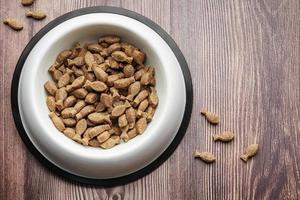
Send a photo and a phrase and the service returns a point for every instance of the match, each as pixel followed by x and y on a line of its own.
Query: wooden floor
pixel 244 56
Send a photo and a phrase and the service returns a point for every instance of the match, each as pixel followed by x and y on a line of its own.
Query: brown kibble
pixel 27 2
pixel 112 78
pixel 249 152
pixel 50 87
pixel 37 14
pixel 95 48
pixel 76 84
pixel 129 135
pixel 99 118
pixel 111 142
pixel 95 131
pixel 226 136
pixel 94 143
pixel 140 97
pixel 56 74
pixel 61 94
pixel 77 138
pixel 113 47
pixel 70 122
pixel 59 105
pixel 150 112
pixel 133 90
pixel 62 56
pixel 81 126
pixel 146 78
pixel 77 61
pixel 89 59
pixel 90 76
pixel 138 56
pixel 85 111
pixel 100 107
pixel 120 56
pixel 153 98
pixel 70 101
pixel 118 110
pixel 141 125
pixel 79 105
pixel 91 98
pixel 69 132
pixel 80 93
pixel 62 69
pixel 109 39
pixel 122 121
pixel 142 107
pixel 131 117
pixel 102 137
pixel 58 123
pixel 205 156
pixel 106 100
pixel 64 80
pixel 123 83
pixel 128 70
pixel 138 74
pixel 100 74
pixel 98 59
pixel 14 24
pixel 210 116
pixel 112 63
pixel 97 86
pixel 68 113
pixel 50 101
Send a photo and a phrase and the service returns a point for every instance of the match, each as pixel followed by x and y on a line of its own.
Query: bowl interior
pixel 89 161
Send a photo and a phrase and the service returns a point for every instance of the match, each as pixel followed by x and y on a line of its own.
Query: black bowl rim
pixel 118 180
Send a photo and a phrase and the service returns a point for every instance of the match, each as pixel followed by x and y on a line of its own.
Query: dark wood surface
pixel 244 56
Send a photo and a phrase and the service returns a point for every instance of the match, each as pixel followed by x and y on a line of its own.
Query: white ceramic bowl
pixel 90 162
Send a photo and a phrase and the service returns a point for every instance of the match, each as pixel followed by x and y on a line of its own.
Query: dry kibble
pixel 58 123
pixel 85 111
pixel 69 132
pixel 36 14
pixel 123 83
pixel 249 152
pixel 111 142
pixel 50 87
pixel 81 126
pixel 120 56
pixel 50 101
pixel 205 156
pixel 101 92
pixel 141 125
pixel 27 2
pixel 226 136
pixel 14 24
pixel 70 101
pixel 210 116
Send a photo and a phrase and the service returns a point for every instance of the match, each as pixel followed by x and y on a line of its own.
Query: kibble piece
pixel 138 56
pixel 118 110
pixel 129 135
pixel 210 116
pixel 153 98
pixel 106 100
pixel 91 98
pixel 140 97
pixel 109 39
pixel 138 74
pixel 100 107
pixel 249 152
pixel 226 136
pixel 68 113
pixel 123 83
pixel 142 107
pixel 133 90
pixel 77 138
pixel 102 137
pixel 96 48
pixel 79 105
pixel 69 132
pixel 50 87
pixel 64 80
pixel 89 59
pixel 150 112
pixel 205 156
pixel 77 61
pixel 14 24
pixel 85 111
pixel 62 69
pixel 56 74
pixel 128 71
pixel 80 93
pixel 141 125
pixel 146 78
pixel 70 122
pixel 98 58
pixel 81 126
pixel 94 143
pixel 112 78
pixel 61 94
pixel 113 47
pixel 112 63
pixel 76 84
pixel 120 56
pixel 95 131
pixel 70 101
pixel 62 56
pixel 99 118
pixel 50 101
pixel 27 2
pixel 97 86
pixel 36 14
pixel 122 121
pixel 131 117
pixel 58 123
pixel 100 74
pixel 111 142
pixel 90 76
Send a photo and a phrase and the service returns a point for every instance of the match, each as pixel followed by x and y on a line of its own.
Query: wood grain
pixel 244 56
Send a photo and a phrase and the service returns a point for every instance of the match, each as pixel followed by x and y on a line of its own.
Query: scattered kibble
pixel 14 24
pixel 226 136
pixel 101 93
pixel 249 152
pixel 27 2
pixel 205 156
pixel 36 14
pixel 210 116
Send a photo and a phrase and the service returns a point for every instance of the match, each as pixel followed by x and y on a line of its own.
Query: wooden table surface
pixel 244 56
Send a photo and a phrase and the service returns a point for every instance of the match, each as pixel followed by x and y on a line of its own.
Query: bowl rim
pixel 129 177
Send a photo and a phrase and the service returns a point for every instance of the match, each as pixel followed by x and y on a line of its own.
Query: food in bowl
pixel 101 93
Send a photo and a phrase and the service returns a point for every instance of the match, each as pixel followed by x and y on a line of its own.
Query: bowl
pixel 126 161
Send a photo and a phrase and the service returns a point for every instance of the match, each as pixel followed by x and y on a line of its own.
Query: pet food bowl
pixel 126 161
